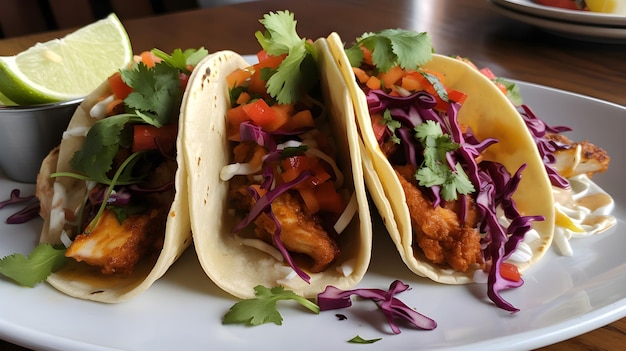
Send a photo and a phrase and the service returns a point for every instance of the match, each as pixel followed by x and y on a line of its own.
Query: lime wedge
pixel 4 101
pixel 67 68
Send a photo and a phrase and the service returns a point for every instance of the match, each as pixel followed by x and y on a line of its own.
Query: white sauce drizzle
pixel 582 211
pixel 99 110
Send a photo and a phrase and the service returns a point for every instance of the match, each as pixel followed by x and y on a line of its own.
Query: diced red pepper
pixel 328 198
pixel 510 272
pixel 118 87
pixel 148 137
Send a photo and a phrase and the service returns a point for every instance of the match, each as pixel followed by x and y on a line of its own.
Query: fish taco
pixel 449 162
pixel 114 192
pixel 276 190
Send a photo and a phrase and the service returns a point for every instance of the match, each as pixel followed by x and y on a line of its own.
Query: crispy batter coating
pixel 440 234
pixel 115 247
pixel 593 159
pixel 300 231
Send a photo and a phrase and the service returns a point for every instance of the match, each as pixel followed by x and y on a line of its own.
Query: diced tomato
pixel 360 74
pixel 283 114
pixel 294 165
pixel 120 89
pixel 328 198
pixel 268 61
pixel 379 127
pixel 148 137
pixel 238 77
pixel 302 119
pixel 367 55
pixel 256 85
pixel 243 98
pixel 487 73
pixel 373 83
pixel 149 59
pixel 392 76
pixel 236 116
pixel 260 112
pixel 411 83
pixel 457 96
pixel 510 272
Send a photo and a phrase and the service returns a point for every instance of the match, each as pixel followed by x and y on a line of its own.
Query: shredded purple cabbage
pixel 333 298
pixel 25 214
pixel 15 198
pixel 493 183
pixel 263 204
pixel 538 129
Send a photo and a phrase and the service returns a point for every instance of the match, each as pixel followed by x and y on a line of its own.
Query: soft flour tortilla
pixel 489 114
pixel 81 280
pixel 234 267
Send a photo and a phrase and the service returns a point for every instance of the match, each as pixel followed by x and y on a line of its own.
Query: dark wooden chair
pixel 21 17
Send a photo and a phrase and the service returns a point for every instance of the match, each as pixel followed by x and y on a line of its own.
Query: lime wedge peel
pixel 66 68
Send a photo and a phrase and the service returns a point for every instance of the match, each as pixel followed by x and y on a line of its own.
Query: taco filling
pixel 456 163
pixel 284 180
pixel 113 194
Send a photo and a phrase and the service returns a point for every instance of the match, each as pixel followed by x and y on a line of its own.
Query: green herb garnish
pixel 435 170
pixel 298 73
pixel 393 47
pixel 182 59
pixel 359 340
pixel 392 125
pixel 31 270
pixel 263 308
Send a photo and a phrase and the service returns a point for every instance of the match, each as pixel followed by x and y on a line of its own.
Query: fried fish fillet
pixel 579 157
pixel 440 233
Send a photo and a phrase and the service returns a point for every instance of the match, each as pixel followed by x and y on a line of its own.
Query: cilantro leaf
pixel 31 270
pixel 359 340
pixel 435 170
pixel 263 308
pixel 436 83
pixel 95 158
pixel 298 72
pixel 392 125
pixel 182 59
pixel 393 47
pixel 157 92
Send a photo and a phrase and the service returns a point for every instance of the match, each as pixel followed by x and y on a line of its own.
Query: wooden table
pixel 470 28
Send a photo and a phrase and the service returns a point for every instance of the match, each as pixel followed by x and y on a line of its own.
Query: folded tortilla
pixel 56 194
pixel 235 267
pixel 490 115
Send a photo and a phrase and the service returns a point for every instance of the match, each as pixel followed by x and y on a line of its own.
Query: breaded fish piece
pixel 443 237
pixel 579 158
pixel 300 232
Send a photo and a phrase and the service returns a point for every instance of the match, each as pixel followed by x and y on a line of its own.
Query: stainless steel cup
pixel 28 133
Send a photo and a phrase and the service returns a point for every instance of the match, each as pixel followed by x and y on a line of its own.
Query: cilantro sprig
pixel 34 268
pixel 392 125
pixel 155 100
pixel 392 47
pixel 298 72
pixel 263 308
pixel 435 170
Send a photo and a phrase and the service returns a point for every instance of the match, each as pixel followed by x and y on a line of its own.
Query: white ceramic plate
pixel 572 30
pixel 562 296
pixel 584 17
